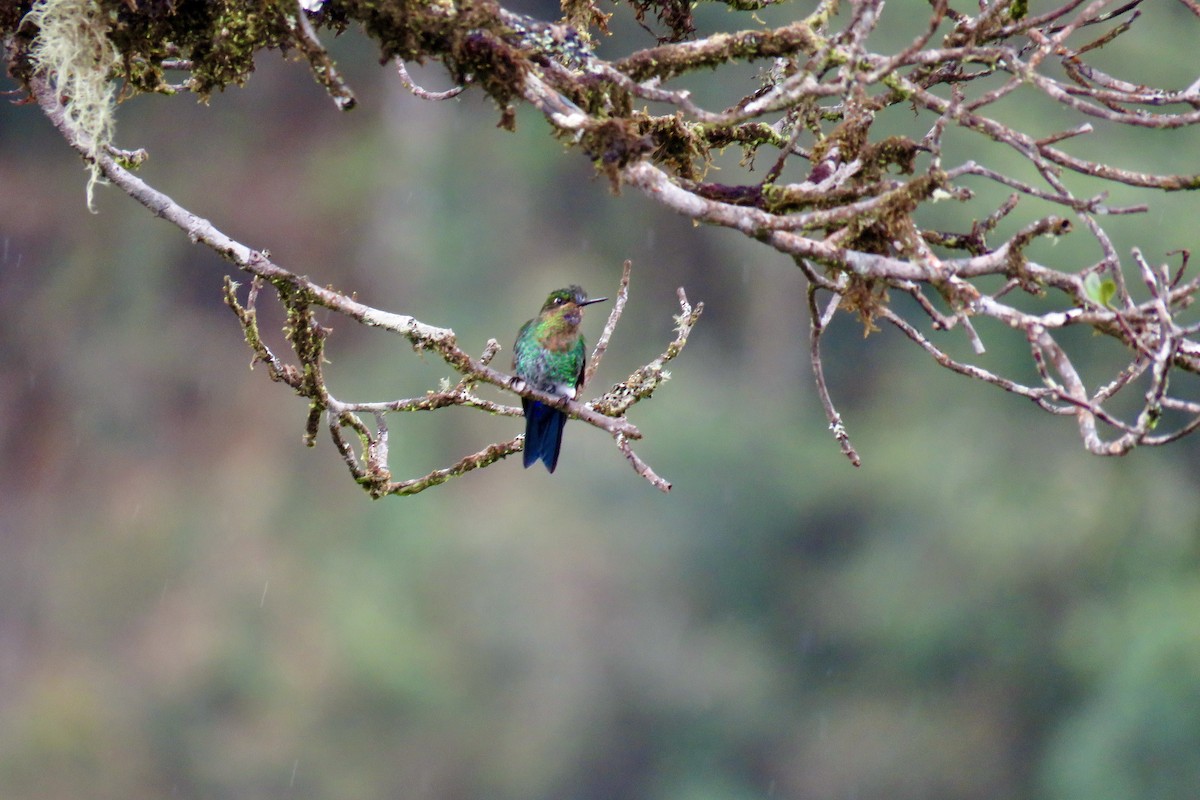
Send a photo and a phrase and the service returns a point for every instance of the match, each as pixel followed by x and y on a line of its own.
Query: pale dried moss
pixel 74 53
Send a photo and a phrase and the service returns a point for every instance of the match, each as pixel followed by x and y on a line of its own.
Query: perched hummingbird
pixel 549 356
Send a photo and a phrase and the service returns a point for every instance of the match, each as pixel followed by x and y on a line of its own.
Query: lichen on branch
pixel 72 49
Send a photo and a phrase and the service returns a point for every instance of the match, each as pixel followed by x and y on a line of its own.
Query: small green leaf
pixel 1108 290
pixel 1099 290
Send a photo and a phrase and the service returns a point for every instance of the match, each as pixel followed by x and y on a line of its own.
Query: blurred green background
pixel 194 605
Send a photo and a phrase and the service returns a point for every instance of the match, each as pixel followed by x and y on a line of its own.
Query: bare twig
pixel 817 321
pixel 614 316
pixel 424 94
pixel 322 66
pixel 641 467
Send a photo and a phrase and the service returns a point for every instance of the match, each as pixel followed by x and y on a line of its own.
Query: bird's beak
pixel 596 300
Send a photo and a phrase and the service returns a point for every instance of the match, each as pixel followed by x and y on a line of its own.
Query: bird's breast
pixel 560 341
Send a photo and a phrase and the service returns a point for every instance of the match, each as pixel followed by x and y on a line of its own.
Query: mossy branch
pixel 848 204
pixel 369 466
pixel 307 337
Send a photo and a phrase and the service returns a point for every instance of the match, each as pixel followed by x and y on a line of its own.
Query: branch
pixel 865 243
pixel 850 206
pixel 298 294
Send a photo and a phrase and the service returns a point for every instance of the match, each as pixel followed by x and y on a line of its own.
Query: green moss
pixel 670 60
pixel 675 15
pixel 583 14
pixel 749 134
pixel 676 145
pixel 223 52
pixel 667 140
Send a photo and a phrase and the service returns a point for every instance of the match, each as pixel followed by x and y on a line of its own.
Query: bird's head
pixel 567 304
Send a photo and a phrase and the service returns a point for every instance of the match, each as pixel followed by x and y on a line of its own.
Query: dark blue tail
pixel 543 433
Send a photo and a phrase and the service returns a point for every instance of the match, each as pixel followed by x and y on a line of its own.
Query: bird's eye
pixel 558 301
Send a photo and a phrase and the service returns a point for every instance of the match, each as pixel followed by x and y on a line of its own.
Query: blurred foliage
pixel 194 605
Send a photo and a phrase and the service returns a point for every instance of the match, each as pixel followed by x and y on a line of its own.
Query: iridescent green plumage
pixel 550 355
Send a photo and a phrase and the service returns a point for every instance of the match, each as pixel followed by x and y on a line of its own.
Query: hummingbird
pixel 550 356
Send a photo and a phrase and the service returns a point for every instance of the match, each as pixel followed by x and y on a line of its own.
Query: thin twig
pixel 614 316
pixel 424 94
pixel 817 321
pixel 322 66
pixel 641 467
